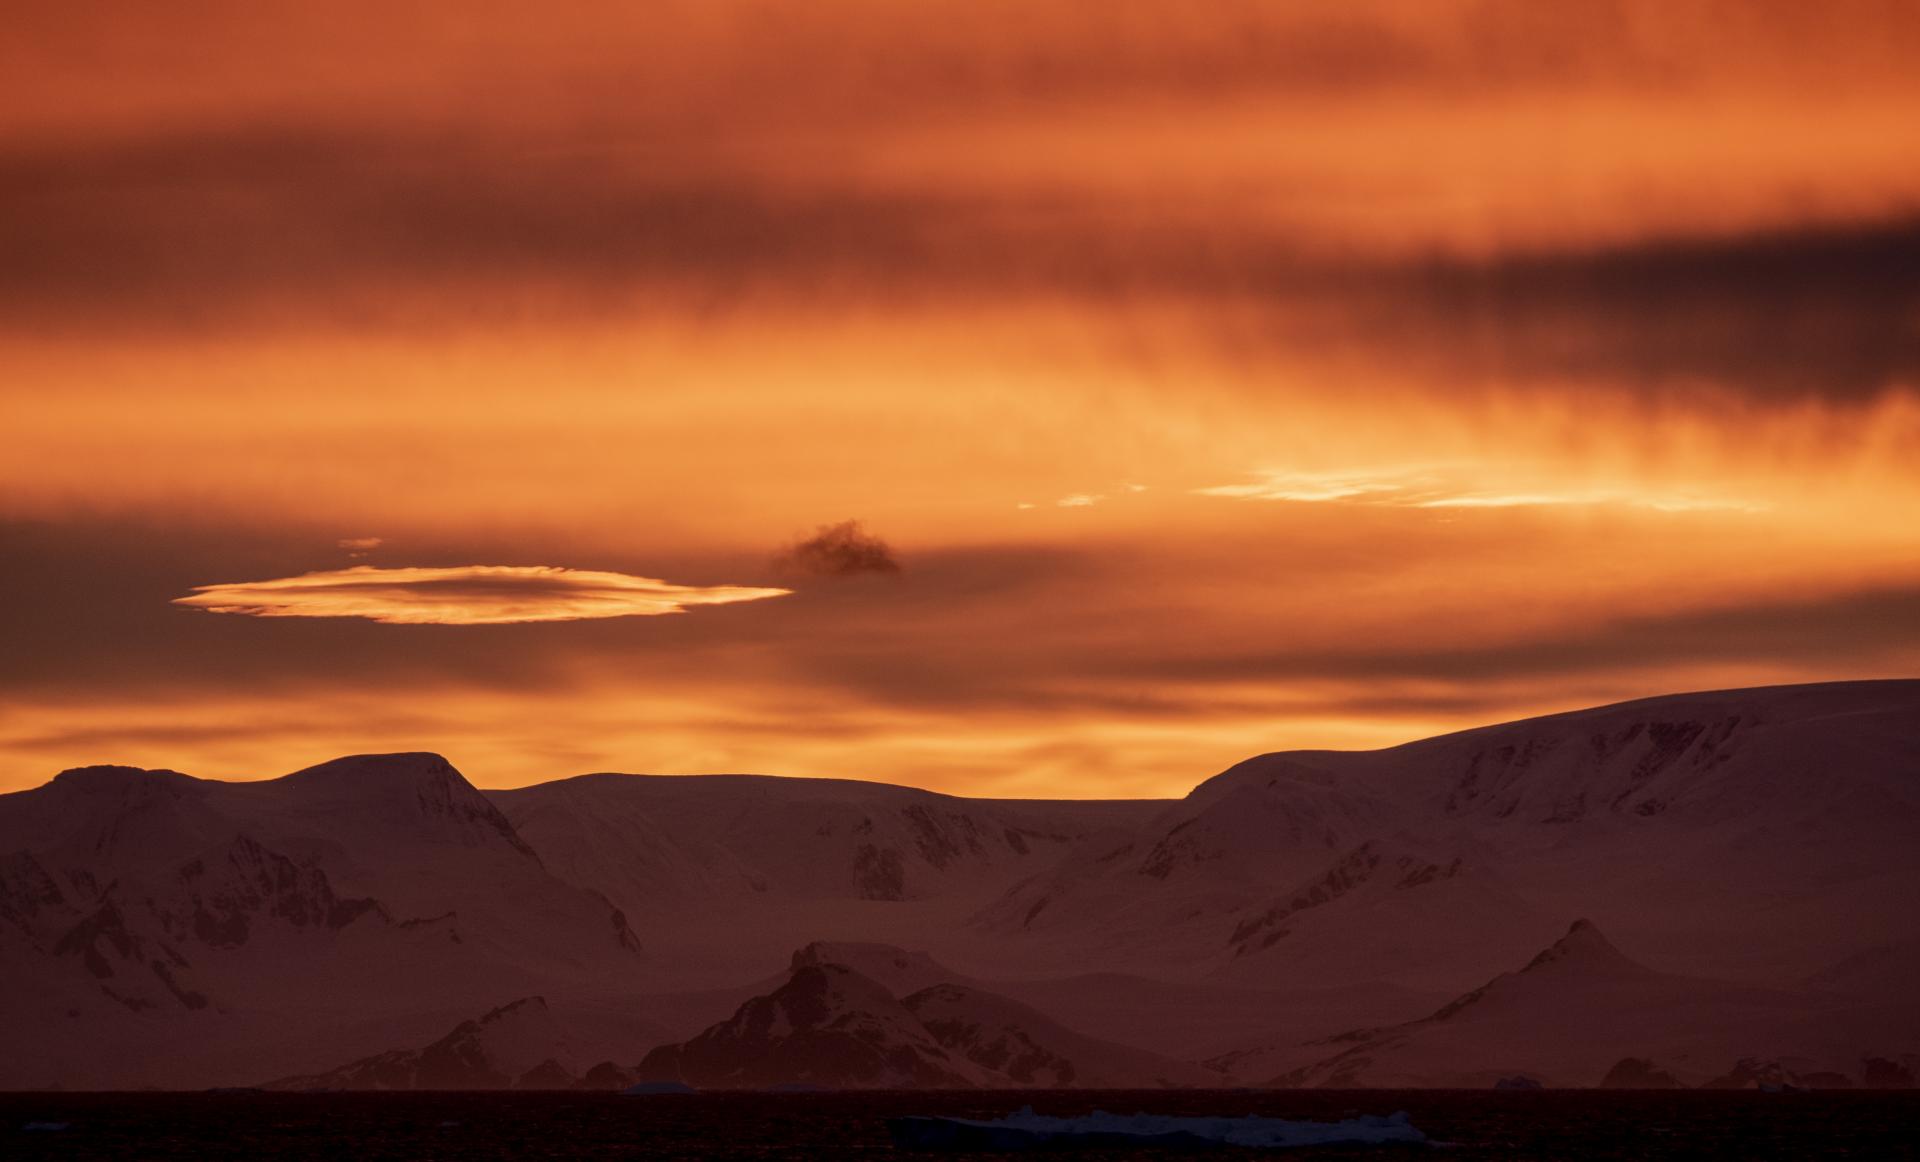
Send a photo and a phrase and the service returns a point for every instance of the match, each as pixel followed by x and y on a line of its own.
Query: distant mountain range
pixel 1304 918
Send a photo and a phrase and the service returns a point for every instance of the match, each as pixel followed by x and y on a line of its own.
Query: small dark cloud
pixel 845 549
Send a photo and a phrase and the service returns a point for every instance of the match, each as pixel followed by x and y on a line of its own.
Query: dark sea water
pixel 1474 1124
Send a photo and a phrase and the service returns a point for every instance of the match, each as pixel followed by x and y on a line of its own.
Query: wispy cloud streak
pixel 1454 487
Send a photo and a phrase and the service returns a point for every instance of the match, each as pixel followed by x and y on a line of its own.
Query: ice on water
pixel 1245 1131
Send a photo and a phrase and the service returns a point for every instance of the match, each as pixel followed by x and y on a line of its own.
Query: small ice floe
pixel 46 1127
pixel 1027 1130
pixel 657 1088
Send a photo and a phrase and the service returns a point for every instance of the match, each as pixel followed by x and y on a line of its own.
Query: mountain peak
pixel 525 1006
pixel 857 953
pixel 827 1025
pixel 518 1043
pixel 108 776
pixel 415 765
pixel 1583 944
pixel 894 968
pixel 817 992
pixel 410 785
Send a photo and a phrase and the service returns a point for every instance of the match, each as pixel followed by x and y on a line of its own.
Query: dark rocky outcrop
pixel 1638 1073
pixel 826 1026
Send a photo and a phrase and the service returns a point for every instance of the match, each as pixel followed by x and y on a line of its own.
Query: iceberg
pixel 1027 1130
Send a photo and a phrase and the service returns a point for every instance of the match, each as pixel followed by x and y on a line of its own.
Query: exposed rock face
pixel 953 1015
pixel 289 904
pixel 897 970
pixel 230 890
pixel 140 935
pixel 1564 1010
pixel 1314 867
pixel 161 929
pixel 1755 1073
pixel 511 1047
pixel 1369 864
pixel 833 1027
pixel 106 950
pixel 607 1076
pixel 827 1026
pixel 549 1074
pixel 27 892
pixel 1023 1048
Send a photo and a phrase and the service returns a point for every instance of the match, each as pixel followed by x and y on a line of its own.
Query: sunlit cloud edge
pixel 501 595
pixel 1444 488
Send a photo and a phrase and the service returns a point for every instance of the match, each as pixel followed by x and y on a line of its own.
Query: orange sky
pixel 1225 380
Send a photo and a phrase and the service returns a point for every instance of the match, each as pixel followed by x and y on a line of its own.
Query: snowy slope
pixel 830 1025
pixel 1579 1008
pixel 249 924
pixel 1025 1048
pixel 1177 1021
pixel 703 861
pixel 156 928
pixel 897 970
pixel 1753 834
pixel 674 842
pixel 826 1026
pixel 516 1046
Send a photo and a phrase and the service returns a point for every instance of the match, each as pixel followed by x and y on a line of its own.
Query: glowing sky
pixel 1206 379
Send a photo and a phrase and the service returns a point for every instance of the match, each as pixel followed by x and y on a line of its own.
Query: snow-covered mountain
pixel 1751 834
pixel 897 970
pixel 244 924
pixel 700 860
pixel 675 843
pixel 1024 1048
pixel 1583 1013
pixel 161 929
pixel 832 1026
pixel 516 1046
pixel 826 1026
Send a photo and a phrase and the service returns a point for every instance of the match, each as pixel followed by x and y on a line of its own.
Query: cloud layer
pixel 1242 375
pixel 466 595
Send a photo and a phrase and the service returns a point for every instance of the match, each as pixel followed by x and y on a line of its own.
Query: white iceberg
pixel 1028 1130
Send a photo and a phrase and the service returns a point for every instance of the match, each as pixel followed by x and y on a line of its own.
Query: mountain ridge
pixel 1767 840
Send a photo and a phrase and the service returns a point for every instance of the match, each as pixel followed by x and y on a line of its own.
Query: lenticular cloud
pixel 466 595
